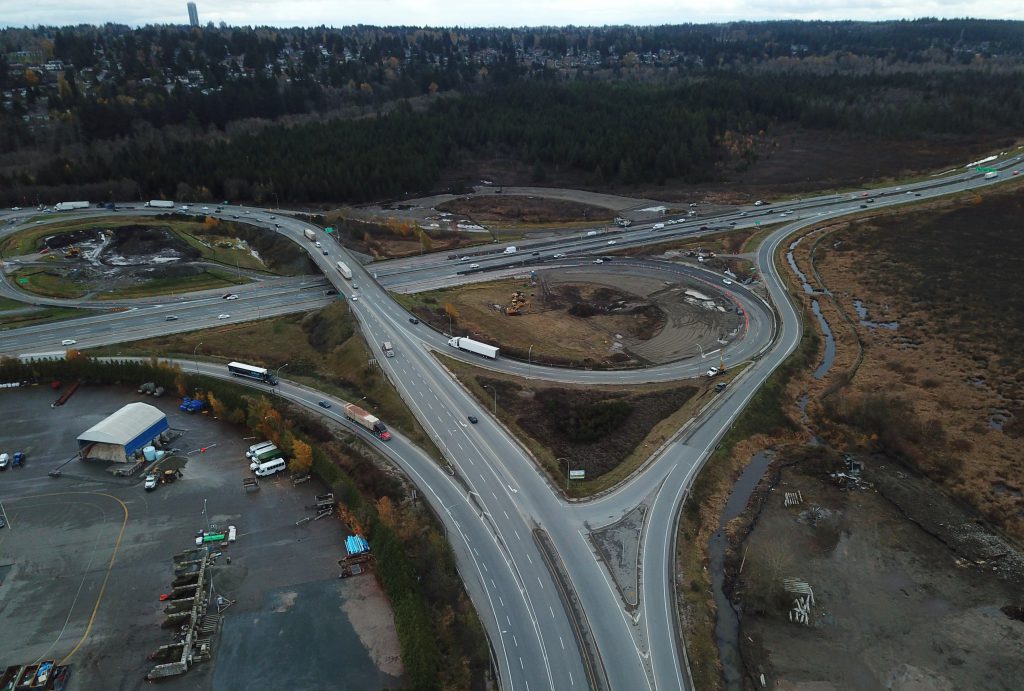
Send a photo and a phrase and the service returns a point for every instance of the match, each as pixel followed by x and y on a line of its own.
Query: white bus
pixel 345 272
pixel 240 369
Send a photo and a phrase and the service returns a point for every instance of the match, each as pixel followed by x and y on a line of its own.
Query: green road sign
pixel 22 281
pixel 328 230
pixel 985 169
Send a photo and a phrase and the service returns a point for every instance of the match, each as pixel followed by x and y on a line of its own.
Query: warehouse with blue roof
pixel 121 434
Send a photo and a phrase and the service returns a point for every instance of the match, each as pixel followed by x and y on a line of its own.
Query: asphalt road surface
pixel 493 500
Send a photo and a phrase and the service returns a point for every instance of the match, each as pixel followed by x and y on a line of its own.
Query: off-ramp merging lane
pixel 498 508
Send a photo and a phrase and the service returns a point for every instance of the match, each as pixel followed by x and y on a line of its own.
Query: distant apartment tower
pixel 193 14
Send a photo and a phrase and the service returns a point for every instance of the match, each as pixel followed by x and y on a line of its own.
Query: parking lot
pixel 86 556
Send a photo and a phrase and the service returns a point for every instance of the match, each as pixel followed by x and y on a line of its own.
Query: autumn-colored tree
pixel 211 222
pixel 386 511
pixel 265 420
pixel 218 409
pixel 302 456
pixel 450 310
pixel 425 241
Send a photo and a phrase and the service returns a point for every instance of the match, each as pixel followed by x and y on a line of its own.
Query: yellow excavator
pixel 518 304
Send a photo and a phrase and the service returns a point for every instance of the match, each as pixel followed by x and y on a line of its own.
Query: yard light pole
pixel 529 355
pixel 194 359
pixel 495 392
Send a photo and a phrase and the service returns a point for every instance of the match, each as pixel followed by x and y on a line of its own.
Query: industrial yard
pixel 87 556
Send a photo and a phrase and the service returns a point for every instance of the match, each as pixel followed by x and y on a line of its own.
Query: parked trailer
pixel 367 421
pixel 160 204
pixel 70 206
pixel 471 346
pixel 345 272
pixel 309 233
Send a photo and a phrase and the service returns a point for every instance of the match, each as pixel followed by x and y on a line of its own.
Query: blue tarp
pixel 355 544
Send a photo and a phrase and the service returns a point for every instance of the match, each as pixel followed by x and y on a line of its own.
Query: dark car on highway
pixel 323 404
pixel 414 320
pixel 472 418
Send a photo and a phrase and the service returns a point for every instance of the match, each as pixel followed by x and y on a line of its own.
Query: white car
pixel 462 259
pixel 611 242
pixel 599 261
pixel 474 266
pixel 558 256
pixel 231 297
pixel 223 316
pixel 151 481
pixel 355 298
pixel 206 208
pixel 68 341
pixel 713 372
pixel 726 281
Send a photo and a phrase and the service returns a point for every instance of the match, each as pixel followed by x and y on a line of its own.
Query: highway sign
pixel 577 474
pixel 328 230
pixel 22 281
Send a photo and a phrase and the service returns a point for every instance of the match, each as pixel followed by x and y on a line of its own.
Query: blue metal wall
pixel 145 437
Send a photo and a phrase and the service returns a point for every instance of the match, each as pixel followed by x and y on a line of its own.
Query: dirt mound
pixel 144 244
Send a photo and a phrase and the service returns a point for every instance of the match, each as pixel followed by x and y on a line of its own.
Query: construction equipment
pixel 72 252
pixel 517 304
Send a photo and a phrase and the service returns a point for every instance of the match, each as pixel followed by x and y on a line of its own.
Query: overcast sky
pixel 486 12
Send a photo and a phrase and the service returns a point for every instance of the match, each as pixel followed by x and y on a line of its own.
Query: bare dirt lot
pixel 895 606
pixel 589 317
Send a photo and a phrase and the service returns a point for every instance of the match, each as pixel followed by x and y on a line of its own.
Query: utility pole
pixel 194 358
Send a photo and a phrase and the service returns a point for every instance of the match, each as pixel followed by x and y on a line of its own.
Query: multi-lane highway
pixel 498 507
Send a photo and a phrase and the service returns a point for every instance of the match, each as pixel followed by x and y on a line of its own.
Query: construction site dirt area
pixel 896 601
pixel 86 563
pixel 586 317
pixel 124 257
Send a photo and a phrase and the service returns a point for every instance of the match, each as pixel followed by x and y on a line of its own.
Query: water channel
pixel 727 625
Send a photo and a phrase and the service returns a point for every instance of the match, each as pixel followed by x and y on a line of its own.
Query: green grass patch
pixel 211 278
pixel 40 316
pixel 42 281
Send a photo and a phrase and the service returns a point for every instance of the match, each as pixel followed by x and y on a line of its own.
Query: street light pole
pixel 495 392
pixel 567 470
pixel 194 359
pixel 278 376
pixel 529 355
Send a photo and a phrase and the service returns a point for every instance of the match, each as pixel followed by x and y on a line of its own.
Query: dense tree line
pixel 620 133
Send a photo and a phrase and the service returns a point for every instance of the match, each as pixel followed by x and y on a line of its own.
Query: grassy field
pixel 211 278
pixel 946 277
pixel 43 281
pixel 10 319
pixel 321 349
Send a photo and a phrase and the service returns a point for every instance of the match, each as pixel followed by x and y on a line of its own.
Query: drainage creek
pixel 727 624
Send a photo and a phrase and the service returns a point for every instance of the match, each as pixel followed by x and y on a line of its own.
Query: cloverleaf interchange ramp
pixel 497 499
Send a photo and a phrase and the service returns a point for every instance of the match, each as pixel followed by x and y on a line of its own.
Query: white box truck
pixel 70 206
pixel 160 204
pixel 471 346
pixel 509 250
pixel 310 234
pixel 345 272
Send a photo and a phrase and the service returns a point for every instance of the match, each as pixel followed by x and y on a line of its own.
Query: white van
pixel 270 467
pixel 257 449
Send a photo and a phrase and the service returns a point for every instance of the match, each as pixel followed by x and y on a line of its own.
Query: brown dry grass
pixel 945 361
